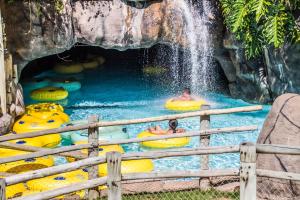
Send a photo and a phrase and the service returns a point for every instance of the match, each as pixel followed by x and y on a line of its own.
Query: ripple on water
pixel 128 97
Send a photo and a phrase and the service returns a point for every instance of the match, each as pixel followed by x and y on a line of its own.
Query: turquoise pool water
pixel 123 92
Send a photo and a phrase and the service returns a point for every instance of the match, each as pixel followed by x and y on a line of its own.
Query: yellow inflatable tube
pixel 16 190
pixel 68 68
pixel 24 141
pixel 49 94
pixel 44 107
pixel 154 70
pixel 90 64
pixel 25 165
pixel 184 105
pixel 130 166
pixel 103 149
pixel 57 116
pixel 58 181
pixel 46 111
pixel 165 143
pixel 28 123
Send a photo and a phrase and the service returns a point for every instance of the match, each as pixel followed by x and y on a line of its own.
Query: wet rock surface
pixel 263 79
pixel 282 126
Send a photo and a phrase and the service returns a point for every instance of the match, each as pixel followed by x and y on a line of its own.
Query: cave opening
pixel 119 79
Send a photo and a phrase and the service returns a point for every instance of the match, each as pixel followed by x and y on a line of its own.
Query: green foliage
pixel 259 23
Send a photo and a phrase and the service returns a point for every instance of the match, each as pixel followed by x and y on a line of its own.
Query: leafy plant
pixel 259 23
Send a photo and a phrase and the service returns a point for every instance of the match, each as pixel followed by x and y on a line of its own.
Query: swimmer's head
pixel 173 123
pixel 187 91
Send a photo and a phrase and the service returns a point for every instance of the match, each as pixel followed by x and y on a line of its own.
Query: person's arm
pixel 159 132
pixel 196 98
pixel 180 130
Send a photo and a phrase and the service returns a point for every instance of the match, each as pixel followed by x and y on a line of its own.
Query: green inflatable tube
pixel 105 133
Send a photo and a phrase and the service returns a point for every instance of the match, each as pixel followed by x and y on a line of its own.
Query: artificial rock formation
pixel 282 126
pixel 40 29
pixel 263 79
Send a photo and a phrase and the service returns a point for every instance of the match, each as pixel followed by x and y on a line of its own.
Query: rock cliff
pixel 40 29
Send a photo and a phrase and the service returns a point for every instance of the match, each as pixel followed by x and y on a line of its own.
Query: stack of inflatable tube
pixel 49 94
pixel 41 121
pixel 42 116
pixel 44 107
pixel 177 105
pixel 72 68
pixel 47 111
pixel 163 144
pixel 105 133
pixel 128 166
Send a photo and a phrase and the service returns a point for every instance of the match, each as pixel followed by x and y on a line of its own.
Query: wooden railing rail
pixel 134 176
pixel 125 141
pixel 65 190
pixel 247 171
pixel 277 174
pixel 113 159
pixel 133 121
pixel 19 178
pixel 277 149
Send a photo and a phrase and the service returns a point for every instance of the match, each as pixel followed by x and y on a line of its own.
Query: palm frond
pixel 274 28
pixel 260 7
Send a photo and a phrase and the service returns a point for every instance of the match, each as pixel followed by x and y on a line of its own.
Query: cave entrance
pixel 108 82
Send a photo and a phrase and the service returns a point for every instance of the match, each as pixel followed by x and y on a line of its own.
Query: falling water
pixel 196 59
pixel 199 49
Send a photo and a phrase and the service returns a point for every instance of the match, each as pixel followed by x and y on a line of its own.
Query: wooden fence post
pixel 248 171
pixel 93 138
pixel 2 189
pixel 204 142
pixel 114 175
pixel 2 70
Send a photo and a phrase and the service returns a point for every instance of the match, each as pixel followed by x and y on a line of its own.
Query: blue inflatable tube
pixel 36 83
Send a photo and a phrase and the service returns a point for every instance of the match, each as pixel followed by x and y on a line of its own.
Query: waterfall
pixel 199 53
pixel 196 59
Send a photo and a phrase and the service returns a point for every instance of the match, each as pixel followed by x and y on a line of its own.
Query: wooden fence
pixel 114 178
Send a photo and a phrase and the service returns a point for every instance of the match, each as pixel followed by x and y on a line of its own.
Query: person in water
pixel 157 130
pixel 185 96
